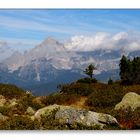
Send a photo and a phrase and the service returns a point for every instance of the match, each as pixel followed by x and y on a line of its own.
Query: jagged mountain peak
pixel 50 41
pixel 49 45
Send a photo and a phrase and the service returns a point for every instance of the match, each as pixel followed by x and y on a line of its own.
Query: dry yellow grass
pixel 38 100
pixel 80 104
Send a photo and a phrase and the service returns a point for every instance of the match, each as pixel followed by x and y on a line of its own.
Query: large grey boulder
pixel 130 100
pixel 70 115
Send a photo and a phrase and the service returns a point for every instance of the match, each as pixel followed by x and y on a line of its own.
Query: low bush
pixel 61 99
pixel 27 101
pixel 11 91
pixel 19 123
pixel 87 80
pixel 132 88
pixel 82 89
pixel 108 96
pixel 127 118
pixel 5 110
pixel 79 126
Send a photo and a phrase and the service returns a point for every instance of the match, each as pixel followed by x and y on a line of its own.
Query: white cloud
pixel 103 40
pixel 86 43
pixel 120 36
pixel 133 46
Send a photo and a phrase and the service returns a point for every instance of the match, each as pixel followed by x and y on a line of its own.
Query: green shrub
pixel 50 123
pixel 128 118
pixel 5 110
pixel 79 126
pixel 61 99
pixel 113 127
pixel 27 101
pixel 82 89
pixel 87 80
pixel 132 88
pixel 108 96
pixel 36 105
pixel 19 123
pixel 11 91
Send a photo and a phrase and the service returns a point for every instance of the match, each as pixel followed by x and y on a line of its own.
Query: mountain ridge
pixel 51 60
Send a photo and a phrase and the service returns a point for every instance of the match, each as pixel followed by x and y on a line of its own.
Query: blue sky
pixel 29 27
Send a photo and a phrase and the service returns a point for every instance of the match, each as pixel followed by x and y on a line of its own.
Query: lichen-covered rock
pixel 12 102
pixel 46 111
pixel 71 116
pixel 2 100
pixel 32 118
pixel 30 111
pixel 130 100
pixel 84 117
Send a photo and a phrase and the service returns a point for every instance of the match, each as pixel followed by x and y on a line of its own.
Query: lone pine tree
pixel 89 70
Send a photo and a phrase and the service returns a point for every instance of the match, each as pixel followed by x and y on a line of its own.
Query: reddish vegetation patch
pixel 132 88
pixel 126 124
pixel 128 119
pixel 80 104
pixel 61 99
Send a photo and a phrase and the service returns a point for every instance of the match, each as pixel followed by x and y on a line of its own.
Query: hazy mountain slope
pixel 5 51
pixel 50 49
pixel 61 77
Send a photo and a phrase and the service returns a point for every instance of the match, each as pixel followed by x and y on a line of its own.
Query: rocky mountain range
pixel 55 62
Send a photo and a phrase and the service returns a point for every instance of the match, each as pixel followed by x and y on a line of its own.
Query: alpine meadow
pixel 69 69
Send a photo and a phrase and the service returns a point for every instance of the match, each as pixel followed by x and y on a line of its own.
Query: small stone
pixel 32 118
pixel 30 111
pixel 12 102
pixel 2 100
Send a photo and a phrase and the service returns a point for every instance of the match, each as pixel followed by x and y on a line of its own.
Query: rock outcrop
pixel 130 100
pixel 70 115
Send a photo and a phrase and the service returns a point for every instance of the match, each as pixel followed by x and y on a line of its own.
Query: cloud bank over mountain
pixel 125 41
pixel 66 55
pixel 104 40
